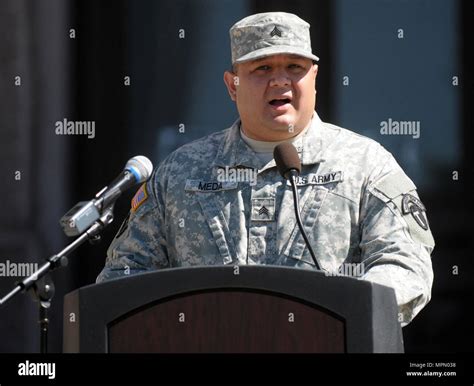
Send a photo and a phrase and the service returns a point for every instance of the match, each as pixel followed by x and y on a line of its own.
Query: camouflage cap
pixel 271 33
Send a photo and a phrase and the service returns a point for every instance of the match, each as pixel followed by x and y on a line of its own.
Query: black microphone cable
pixel 289 166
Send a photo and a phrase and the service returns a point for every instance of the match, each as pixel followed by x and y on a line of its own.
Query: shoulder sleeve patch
pixel 394 184
pixel 140 197
pixel 414 213
pixel 399 189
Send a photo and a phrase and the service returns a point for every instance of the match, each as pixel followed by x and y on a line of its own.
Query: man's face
pixel 275 95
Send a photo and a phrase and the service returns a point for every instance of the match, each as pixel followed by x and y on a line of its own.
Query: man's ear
pixel 315 69
pixel 231 82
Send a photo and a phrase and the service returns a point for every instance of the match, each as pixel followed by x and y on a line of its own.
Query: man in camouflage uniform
pixel 221 200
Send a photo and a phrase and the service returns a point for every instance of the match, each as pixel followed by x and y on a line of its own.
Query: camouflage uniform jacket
pixel 357 204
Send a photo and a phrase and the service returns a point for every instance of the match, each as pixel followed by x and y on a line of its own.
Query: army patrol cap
pixel 270 33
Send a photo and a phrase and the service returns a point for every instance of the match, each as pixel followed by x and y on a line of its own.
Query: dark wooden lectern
pixel 245 309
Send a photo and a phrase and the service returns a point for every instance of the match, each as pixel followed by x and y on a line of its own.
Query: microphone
pixel 289 166
pixel 138 169
pixel 287 160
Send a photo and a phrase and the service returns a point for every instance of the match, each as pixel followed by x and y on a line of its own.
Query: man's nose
pixel 280 78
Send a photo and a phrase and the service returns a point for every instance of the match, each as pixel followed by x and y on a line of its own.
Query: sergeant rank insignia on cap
pixel 140 197
pixel 275 32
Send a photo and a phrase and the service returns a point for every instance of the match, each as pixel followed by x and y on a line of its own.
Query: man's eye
pixel 294 65
pixel 263 68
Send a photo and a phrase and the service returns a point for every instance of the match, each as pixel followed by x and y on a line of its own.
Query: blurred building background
pixel 380 60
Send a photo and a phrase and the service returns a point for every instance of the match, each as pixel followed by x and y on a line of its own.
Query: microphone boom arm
pixel 60 259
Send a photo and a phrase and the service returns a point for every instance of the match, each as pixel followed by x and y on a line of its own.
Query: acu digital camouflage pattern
pixel 270 33
pixel 351 190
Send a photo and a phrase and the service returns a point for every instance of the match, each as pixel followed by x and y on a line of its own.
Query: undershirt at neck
pixel 264 149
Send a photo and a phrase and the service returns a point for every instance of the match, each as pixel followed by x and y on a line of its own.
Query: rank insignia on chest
pixel 263 209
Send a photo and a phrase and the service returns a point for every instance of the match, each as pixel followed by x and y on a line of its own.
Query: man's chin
pixel 283 122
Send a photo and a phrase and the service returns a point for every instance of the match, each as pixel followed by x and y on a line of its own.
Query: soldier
pixel 221 200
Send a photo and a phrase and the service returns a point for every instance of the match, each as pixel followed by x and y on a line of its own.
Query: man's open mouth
pixel 279 102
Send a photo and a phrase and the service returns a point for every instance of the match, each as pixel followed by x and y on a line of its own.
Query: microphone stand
pixel 40 282
pixel 292 174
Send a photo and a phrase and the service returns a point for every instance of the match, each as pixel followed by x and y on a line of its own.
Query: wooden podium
pixel 225 309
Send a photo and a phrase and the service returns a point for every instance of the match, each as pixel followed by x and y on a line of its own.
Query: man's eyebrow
pixel 259 59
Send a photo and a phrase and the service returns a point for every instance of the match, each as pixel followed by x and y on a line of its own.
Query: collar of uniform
pixel 310 150
pixel 235 152
pixel 313 143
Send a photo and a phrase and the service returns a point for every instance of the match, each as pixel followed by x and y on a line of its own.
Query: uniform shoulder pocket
pixel 394 184
pixel 399 189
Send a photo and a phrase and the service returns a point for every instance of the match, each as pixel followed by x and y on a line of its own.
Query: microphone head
pixel 286 158
pixel 141 167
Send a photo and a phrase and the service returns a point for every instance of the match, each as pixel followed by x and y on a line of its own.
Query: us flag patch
pixel 140 197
